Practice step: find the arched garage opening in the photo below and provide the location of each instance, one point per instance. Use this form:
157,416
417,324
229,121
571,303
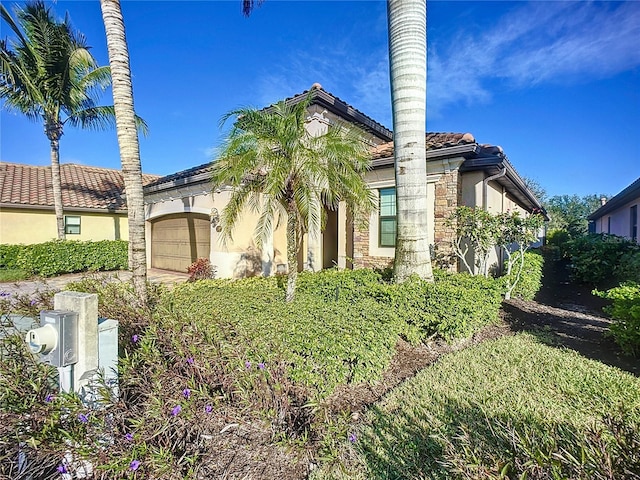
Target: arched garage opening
178,240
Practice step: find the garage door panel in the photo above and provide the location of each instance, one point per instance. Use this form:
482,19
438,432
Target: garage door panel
178,240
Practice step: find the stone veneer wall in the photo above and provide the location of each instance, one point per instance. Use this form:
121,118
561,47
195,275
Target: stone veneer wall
448,198
448,193
361,258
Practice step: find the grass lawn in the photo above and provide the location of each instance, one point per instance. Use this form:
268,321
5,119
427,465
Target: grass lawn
13,275
506,407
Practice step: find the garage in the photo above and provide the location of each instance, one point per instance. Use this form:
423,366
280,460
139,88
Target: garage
178,240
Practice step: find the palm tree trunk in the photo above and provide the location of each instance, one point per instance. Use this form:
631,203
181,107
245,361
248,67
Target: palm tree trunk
292,254
127,140
408,72
56,183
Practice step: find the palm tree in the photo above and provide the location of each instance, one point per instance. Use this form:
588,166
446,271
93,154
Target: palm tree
48,75
281,172
127,141
408,71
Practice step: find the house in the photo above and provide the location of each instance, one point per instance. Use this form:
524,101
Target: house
619,215
182,213
93,200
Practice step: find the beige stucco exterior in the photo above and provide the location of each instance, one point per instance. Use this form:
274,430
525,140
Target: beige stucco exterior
30,226
237,257
618,222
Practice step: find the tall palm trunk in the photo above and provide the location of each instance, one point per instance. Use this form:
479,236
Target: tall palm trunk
408,72
56,184
127,140
292,253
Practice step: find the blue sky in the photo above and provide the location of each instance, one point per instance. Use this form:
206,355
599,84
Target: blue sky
556,84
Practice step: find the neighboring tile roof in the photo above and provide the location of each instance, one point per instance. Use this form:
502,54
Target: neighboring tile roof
625,196
205,168
434,142
82,186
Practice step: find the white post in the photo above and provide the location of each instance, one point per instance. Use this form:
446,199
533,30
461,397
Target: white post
86,306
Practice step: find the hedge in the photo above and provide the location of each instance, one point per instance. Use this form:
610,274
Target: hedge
65,256
600,258
531,276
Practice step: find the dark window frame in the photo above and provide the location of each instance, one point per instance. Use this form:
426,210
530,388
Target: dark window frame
386,218
633,222
72,229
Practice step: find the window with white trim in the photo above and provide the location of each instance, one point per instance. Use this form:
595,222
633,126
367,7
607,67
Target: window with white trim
72,225
387,218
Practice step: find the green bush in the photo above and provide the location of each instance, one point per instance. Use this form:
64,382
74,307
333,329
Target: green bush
625,310
628,270
531,276
9,256
596,258
65,256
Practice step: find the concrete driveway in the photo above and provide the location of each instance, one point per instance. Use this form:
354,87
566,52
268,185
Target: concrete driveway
58,283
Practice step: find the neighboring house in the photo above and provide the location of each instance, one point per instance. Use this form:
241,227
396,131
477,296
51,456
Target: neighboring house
182,213
619,215
93,200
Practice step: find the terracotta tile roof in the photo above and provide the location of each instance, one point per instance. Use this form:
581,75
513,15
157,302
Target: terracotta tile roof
82,186
434,142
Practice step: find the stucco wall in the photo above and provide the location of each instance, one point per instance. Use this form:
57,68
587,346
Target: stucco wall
37,226
239,256
620,220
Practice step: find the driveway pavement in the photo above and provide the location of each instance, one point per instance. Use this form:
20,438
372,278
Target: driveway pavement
58,283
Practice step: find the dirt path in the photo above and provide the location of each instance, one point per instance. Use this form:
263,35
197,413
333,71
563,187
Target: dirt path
571,315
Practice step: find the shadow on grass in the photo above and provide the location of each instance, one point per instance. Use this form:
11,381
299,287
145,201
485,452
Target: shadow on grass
584,333
471,444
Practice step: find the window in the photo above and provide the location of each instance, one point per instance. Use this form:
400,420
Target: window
633,224
609,225
387,230
72,225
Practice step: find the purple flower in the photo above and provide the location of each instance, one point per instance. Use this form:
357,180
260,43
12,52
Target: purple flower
62,469
135,338
190,360
83,418
176,410
129,436
208,408
4,294
187,393
247,364
48,398
261,366
352,437
134,465
33,302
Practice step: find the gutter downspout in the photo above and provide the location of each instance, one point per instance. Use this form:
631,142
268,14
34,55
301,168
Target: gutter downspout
485,206
485,184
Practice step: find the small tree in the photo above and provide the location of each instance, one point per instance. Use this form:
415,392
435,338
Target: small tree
280,171
476,231
515,234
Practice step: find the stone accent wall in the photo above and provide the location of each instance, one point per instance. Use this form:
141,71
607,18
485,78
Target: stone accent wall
448,195
361,257
448,198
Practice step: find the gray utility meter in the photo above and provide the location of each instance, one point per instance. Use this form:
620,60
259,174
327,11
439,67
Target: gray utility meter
56,339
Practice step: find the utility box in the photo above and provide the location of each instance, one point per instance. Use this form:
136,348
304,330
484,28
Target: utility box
57,338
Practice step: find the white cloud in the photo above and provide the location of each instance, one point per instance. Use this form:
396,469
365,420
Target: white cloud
541,42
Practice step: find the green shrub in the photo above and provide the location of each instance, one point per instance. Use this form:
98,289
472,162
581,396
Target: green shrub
595,258
531,276
625,310
628,270
9,256
65,256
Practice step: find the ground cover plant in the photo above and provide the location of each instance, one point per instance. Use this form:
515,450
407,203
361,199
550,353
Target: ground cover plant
510,408
218,370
